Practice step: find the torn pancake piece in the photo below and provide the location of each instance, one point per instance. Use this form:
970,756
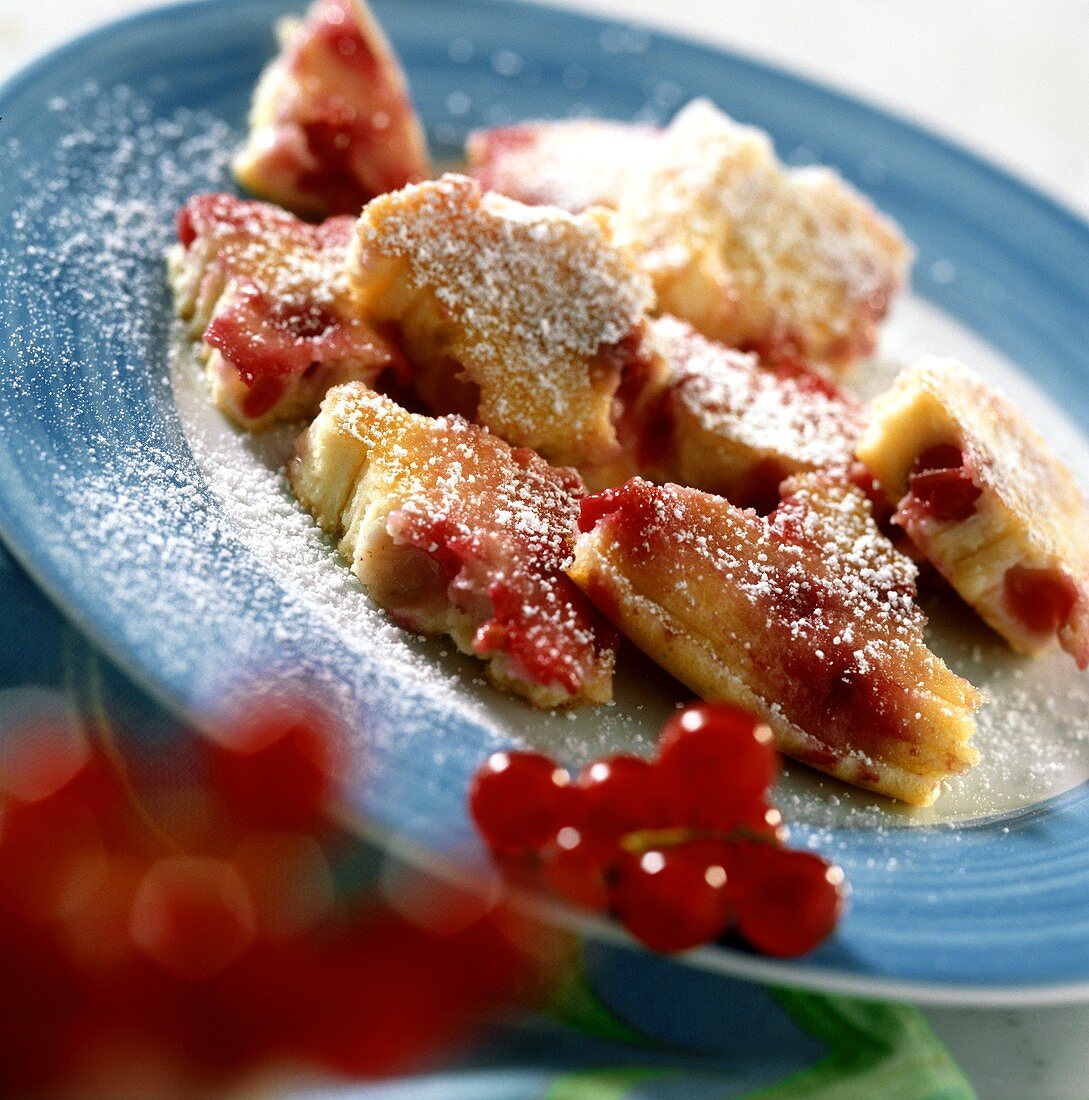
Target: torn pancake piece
521,318
331,124
807,618
265,298
980,494
786,262
454,532
725,424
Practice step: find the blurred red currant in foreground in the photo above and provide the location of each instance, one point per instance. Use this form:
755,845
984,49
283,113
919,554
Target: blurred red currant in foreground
159,938
578,868
193,915
277,769
671,898
40,753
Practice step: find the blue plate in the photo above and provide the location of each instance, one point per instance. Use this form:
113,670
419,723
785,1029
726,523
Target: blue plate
101,496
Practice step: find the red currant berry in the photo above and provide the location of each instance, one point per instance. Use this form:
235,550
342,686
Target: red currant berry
276,770
788,902
289,880
671,899
720,761
40,754
712,853
193,915
520,801
577,868
739,857
52,857
43,1027
766,823
621,794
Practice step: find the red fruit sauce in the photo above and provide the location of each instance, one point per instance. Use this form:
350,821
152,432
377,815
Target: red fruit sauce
267,333
266,338
524,607
1043,599
335,145
942,483
340,34
630,508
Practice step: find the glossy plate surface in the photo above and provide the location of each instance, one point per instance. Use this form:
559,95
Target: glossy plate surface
170,539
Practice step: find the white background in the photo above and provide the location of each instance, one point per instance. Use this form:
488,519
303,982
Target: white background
1010,78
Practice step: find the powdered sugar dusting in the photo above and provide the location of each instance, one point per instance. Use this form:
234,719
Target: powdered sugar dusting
754,254
731,396
532,295
538,278
88,235
247,475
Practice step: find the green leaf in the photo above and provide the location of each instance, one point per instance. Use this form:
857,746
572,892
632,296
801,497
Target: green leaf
878,1050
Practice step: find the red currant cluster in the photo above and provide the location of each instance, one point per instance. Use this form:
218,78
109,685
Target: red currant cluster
681,849
171,927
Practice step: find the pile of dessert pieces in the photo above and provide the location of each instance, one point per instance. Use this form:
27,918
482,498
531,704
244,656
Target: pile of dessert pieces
593,385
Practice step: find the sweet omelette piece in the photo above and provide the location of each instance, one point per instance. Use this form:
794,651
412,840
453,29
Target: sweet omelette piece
521,318
727,425
573,164
787,262
266,298
980,494
331,124
806,618
454,532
